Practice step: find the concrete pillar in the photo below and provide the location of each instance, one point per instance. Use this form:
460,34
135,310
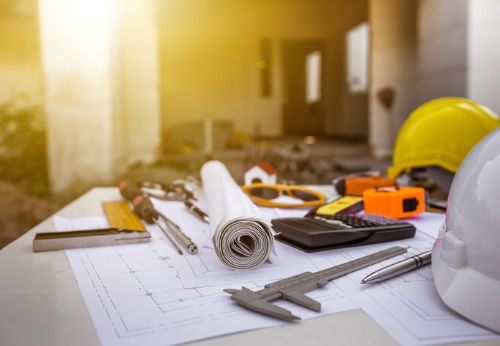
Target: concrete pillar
138,80
393,71
428,49
100,88
459,50
483,32
442,49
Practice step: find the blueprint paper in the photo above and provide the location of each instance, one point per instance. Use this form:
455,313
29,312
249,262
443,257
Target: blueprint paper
136,294
148,294
205,267
242,238
408,306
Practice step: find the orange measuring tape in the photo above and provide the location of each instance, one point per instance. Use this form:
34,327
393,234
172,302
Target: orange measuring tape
395,202
355,186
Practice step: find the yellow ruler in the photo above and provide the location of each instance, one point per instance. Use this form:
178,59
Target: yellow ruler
121,215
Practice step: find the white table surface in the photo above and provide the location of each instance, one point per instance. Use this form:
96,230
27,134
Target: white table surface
41,304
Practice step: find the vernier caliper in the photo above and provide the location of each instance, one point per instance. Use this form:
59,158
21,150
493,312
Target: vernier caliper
293,288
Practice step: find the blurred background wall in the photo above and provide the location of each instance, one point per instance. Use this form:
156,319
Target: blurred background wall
89,89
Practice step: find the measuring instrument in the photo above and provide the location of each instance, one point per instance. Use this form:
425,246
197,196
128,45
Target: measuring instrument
396,202
121,215
96,237
293,288
355,184
318,233
341,205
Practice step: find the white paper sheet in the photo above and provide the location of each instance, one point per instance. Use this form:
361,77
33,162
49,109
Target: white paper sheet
148,294
140,293
204,268
408,306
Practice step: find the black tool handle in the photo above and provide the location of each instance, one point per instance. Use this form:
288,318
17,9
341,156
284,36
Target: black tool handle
144,208
129,189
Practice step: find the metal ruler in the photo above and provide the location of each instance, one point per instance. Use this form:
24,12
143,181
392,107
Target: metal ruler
85,238
121,215
293,288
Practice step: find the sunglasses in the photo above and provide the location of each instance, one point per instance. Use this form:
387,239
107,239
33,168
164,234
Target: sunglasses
265,194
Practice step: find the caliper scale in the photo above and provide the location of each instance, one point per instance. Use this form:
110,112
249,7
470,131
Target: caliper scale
293,288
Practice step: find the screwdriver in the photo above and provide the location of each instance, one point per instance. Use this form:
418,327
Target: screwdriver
145,210
183,238
131,191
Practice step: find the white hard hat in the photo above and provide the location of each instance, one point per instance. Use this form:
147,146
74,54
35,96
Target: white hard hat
466,255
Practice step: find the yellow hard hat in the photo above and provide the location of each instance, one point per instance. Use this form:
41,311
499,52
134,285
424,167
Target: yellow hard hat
441,133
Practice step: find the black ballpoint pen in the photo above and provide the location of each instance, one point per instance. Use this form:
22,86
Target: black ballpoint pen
398,268
197,211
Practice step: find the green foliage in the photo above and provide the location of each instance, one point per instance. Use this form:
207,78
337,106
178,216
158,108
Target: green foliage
23,156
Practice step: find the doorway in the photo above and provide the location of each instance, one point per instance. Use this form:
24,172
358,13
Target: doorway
303,73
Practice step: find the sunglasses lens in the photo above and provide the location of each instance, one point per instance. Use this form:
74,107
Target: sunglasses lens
263,192
305,195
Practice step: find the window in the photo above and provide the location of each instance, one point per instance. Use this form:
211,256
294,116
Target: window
358,51
313,77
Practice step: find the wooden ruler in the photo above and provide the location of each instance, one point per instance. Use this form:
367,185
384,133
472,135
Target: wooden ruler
121,215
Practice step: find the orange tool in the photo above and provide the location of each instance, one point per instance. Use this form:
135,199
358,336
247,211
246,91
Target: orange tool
355,186
395,202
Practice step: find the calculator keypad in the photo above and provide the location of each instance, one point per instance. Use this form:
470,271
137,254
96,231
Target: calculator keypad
356,221
320,232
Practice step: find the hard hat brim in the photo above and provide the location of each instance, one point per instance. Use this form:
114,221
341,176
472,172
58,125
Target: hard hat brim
469,292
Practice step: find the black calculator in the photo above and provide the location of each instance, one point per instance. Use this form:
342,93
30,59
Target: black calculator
321,232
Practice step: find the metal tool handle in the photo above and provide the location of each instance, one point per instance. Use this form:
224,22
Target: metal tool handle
181,236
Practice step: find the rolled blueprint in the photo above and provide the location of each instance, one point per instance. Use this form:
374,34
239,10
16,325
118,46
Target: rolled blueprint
242,238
